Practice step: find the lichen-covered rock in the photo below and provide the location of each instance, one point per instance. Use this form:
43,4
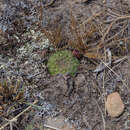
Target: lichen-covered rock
62,62
114,105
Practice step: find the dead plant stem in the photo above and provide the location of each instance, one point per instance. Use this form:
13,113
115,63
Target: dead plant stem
110,26
103,119
15,118
117,75
90,18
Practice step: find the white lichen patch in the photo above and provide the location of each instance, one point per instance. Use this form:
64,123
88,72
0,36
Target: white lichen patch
40,39
38,42
27,56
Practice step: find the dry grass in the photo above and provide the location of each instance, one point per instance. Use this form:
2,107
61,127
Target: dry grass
10,122
55,37
83,35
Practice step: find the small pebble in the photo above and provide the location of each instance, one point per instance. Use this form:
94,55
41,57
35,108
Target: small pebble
114,105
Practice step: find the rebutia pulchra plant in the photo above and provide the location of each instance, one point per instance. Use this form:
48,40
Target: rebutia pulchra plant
62,62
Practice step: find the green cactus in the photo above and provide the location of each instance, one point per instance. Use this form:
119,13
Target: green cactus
62,62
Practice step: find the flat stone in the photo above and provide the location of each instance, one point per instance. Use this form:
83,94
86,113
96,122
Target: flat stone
59,123
114,105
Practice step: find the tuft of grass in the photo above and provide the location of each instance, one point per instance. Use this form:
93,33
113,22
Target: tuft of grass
10,93
79,38
62,62
83,38
77,41
56,37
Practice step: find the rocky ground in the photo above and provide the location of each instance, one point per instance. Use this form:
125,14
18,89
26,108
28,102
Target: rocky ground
62,102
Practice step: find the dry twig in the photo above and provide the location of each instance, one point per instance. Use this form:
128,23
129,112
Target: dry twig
117,75
15,118
103,119
110,26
